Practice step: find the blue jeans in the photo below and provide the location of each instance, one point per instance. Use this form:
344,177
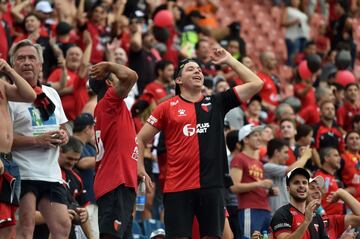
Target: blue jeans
294,47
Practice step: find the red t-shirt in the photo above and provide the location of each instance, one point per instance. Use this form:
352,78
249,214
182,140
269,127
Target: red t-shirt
154,91
292,158
331,185
350,172
116,161
253,171
307,99
269,92
335,225
73,103
310,114
345,114
98,49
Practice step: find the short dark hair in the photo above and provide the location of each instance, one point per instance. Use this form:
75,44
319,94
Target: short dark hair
178,71
289,120
232,139
324,152
356,119
302,130
351,132
275,144
197,45
161,65
73,145
351,84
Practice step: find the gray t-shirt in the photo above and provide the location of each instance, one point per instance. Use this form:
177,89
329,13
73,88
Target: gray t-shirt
277,173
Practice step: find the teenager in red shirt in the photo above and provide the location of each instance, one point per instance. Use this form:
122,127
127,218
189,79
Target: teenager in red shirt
116,162
196,166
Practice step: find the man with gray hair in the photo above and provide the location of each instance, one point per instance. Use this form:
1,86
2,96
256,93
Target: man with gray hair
38,131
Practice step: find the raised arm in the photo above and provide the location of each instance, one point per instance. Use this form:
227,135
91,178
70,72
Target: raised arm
253,83
21,91
85,61
124,79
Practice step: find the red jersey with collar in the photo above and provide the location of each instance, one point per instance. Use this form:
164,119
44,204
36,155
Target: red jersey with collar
116,161
269,92
328,136
331,185
194,139
288,219
345,114
74,102
350,172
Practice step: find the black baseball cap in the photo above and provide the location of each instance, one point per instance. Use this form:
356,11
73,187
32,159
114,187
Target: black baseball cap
82,121
297,171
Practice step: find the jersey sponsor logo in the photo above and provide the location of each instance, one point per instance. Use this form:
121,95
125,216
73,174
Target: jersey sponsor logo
99,145
281,225
152,120
173,103
182,112
206,107
316,227
190,130
207,98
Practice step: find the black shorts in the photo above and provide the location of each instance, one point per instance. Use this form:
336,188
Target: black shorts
206,204
115,212
54,191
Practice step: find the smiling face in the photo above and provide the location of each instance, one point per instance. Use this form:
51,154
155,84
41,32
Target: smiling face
27,64
191,77
73,58
315,192
298,188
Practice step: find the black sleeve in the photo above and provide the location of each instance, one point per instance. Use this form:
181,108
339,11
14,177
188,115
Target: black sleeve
281,221
322,231
227,100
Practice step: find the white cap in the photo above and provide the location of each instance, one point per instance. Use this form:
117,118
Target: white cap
158,232
249,129
43,6
319,180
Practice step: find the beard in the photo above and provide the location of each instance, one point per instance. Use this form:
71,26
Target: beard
297,198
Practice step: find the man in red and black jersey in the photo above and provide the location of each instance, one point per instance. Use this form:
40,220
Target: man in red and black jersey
196,154
116,161
296,219
327,133
76,196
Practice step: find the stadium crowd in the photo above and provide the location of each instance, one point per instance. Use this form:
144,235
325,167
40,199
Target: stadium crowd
242,123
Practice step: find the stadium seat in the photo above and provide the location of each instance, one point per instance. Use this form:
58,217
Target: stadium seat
151,225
